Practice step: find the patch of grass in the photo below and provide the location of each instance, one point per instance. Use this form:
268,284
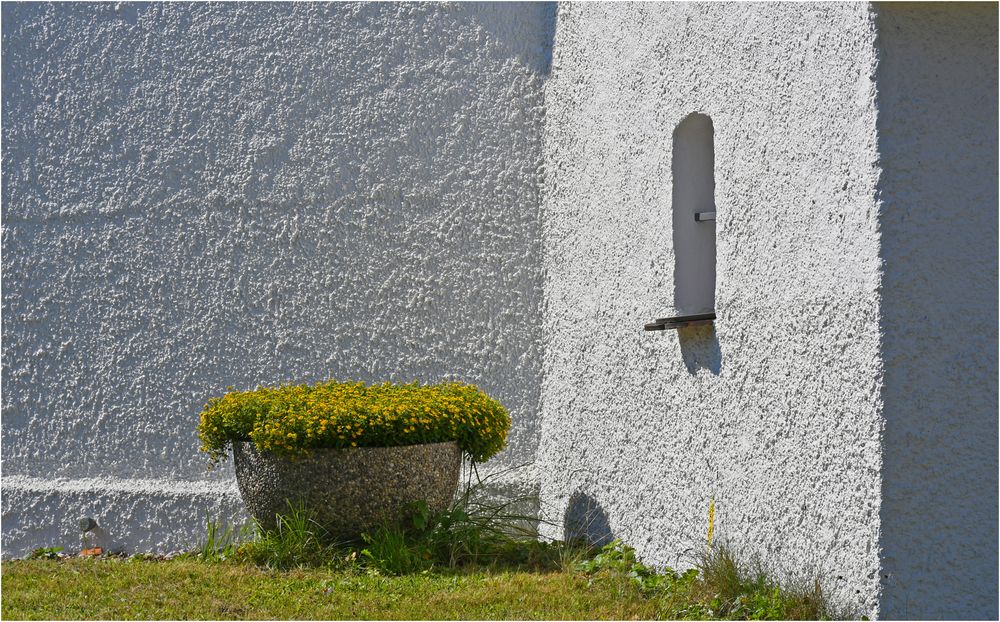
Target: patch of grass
611,585
738,589
475,560
48,552
220,542
390,551
298,541
476,532
111,588
719,587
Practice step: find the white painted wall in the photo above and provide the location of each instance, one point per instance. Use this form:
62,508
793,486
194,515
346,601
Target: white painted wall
197,196
776,412
937,100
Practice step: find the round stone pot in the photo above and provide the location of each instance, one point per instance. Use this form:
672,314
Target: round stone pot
351,491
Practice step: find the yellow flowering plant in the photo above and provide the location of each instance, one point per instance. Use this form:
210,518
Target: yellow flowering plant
293,419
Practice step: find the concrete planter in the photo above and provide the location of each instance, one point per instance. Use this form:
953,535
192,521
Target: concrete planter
350,490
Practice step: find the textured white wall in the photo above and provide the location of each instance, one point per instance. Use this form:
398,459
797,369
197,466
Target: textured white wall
776,412
937,100
198,196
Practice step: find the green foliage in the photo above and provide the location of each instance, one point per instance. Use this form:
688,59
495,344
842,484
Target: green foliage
445,547
297,541
220,542
619,558
737,589
49,552
295,418
477,531
719,587
390,551
470,532
473,534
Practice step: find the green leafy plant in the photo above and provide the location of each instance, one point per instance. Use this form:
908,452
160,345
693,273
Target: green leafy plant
49,552
743,589
295,418
718,587
619,558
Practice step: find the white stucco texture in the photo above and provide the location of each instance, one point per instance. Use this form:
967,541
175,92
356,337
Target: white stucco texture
937,100
774,412
199,196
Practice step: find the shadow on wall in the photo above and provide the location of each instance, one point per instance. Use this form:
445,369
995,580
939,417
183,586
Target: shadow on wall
937,85
585,519
507,22
700,348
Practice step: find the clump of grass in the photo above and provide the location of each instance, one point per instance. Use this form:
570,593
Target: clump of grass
297,541
220,542
48,552
471,532
479,531
719,586
744,589
390,551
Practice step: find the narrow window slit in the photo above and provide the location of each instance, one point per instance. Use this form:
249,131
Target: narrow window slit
694,212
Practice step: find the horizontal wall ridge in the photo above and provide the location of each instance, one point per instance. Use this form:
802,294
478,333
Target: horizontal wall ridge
27,483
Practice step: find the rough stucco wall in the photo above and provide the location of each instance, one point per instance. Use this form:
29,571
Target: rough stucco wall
198,196
937,119
775,413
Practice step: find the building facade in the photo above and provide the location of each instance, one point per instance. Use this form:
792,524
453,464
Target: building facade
197,197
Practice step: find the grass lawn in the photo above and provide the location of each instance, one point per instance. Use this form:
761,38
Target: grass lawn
453,569
610,585
114,588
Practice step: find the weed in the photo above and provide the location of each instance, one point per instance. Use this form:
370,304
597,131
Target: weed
476,531
620,559
744,590
390,551
718,587
465,534
49,552
220,543
297,541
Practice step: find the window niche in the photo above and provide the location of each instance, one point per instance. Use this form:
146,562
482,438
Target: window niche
693,205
